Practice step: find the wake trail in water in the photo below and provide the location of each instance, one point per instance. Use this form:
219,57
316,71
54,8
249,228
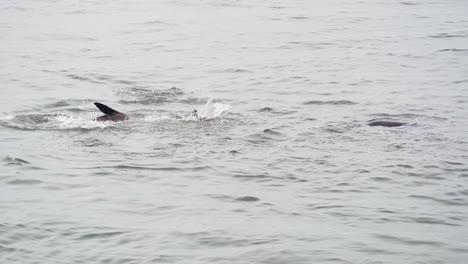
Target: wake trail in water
210,111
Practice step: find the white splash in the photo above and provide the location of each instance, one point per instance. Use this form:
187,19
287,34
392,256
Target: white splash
158,118
71,122
7,117
213,110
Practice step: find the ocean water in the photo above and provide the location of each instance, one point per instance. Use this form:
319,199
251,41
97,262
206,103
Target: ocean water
279,165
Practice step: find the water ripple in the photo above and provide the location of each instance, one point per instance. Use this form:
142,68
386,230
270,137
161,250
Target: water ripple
447,202
339,102
409,242
15,161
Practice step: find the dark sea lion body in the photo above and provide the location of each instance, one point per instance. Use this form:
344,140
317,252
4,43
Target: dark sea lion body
386,123
110,114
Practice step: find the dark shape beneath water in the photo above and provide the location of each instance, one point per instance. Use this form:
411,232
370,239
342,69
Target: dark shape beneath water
385,123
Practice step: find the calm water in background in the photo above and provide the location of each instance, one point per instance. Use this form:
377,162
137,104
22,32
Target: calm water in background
282,168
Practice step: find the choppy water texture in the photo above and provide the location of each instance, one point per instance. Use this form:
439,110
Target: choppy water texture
279,167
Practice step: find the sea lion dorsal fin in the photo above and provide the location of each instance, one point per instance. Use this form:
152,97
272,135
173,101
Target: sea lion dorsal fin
105,109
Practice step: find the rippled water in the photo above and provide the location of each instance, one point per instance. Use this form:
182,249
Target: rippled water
280,165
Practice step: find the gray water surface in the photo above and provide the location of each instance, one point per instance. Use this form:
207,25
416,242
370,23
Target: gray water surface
280,166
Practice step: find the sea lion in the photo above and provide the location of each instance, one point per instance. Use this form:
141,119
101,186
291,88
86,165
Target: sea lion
110,114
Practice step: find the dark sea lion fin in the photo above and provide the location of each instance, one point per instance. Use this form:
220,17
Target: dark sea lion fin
105,109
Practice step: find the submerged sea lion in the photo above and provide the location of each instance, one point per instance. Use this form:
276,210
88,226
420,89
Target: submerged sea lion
386,123
110,114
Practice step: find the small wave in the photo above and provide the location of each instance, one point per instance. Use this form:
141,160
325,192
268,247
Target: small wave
75,38
410,3
82,78
407,116
24,182
193,101
299,18
257,177
52,122
452,163
92,142
153,22
445,202
265,109
275,111
228,198
409,241
340,127
429,221
381,179
220,239
271,132
100,235
448,35
460,81
277,7
267,137
146,91
231,70
148,168
454,50
324,207
66,103
15,161
76,110
147,95
339,102
148,101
